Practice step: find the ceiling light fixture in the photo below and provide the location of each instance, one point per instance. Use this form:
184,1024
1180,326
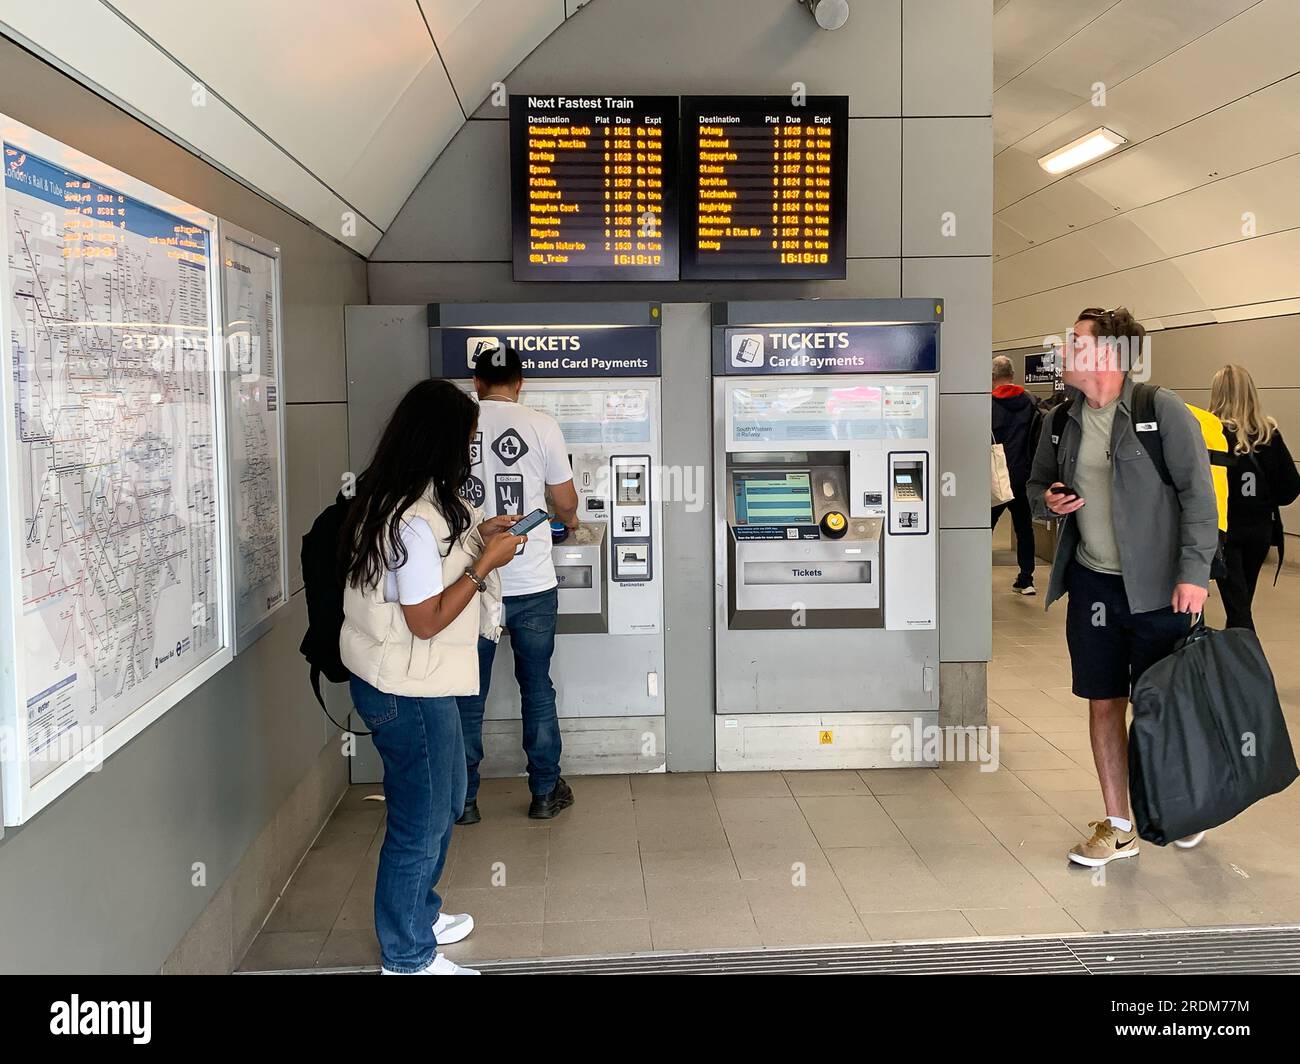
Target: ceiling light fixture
830,14
1088,148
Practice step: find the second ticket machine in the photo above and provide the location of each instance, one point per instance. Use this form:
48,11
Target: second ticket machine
825,433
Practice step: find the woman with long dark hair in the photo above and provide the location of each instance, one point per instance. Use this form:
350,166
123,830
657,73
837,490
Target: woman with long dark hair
1262,480
421,586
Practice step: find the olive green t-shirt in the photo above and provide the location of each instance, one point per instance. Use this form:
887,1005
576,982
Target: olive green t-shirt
1092,480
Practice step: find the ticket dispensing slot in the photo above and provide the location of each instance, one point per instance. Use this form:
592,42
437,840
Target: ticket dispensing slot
580,563
629,517
580,574
793,544
909,513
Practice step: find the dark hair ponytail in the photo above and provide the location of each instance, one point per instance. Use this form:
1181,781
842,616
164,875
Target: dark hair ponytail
424,447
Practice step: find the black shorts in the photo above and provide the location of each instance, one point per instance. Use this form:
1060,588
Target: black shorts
1110,648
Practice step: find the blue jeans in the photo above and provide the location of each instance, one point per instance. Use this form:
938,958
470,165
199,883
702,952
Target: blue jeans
424,787
530,620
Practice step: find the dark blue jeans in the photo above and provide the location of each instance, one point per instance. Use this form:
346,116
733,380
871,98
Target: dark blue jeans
530,620
424,787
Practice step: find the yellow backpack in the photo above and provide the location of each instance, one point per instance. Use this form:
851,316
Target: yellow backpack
1216,442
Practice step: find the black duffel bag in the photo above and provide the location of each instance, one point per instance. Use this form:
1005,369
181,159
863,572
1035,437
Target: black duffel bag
1208,738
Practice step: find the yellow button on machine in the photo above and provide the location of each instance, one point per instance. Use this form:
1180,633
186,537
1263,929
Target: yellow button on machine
834,524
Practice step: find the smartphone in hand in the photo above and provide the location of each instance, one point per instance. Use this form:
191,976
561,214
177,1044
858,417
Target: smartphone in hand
528,522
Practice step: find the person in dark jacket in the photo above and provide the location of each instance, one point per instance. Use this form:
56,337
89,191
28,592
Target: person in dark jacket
1014,415
1262,480
1133,552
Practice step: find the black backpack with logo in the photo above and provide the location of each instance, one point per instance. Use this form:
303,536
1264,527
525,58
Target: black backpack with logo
323,581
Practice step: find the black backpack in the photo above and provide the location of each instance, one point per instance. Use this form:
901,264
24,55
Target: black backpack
323,581
1145,426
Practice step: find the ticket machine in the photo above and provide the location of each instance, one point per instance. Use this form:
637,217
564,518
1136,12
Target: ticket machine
595,369
825,431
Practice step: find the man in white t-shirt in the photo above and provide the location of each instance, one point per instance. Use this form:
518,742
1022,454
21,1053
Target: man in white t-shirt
517,456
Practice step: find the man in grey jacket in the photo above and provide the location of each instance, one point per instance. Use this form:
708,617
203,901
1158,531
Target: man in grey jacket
1133,553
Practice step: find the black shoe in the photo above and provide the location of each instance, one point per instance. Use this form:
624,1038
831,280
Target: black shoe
469,815
545,806
1024,586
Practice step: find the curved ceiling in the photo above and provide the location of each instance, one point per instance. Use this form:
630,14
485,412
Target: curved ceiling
332,109
336,110
1197,219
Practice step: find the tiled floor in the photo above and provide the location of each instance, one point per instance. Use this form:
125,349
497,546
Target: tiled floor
771,859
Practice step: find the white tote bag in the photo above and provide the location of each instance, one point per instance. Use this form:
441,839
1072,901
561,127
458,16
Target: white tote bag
1000,482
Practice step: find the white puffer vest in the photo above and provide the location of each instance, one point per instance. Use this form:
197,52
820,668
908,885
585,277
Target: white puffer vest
378,647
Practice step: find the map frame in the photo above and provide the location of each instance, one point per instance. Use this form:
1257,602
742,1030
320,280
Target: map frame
23,799
246,635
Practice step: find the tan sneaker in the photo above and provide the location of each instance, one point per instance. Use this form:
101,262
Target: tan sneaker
1107,844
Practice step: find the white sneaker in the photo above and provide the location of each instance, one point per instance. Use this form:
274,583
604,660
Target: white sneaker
439,966
449,927
1190,841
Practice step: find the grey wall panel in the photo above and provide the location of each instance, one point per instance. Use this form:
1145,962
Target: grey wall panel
963,284
1282,404
387,352
1189,357
316,437
723,46
100,880
947,169
301,483
964,453
947,57
315,293
965,595
875,187
461,209
437,282
688,539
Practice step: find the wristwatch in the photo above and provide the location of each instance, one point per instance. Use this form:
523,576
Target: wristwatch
477,580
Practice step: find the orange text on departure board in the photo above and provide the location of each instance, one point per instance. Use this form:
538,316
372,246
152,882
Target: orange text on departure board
766,187
596,191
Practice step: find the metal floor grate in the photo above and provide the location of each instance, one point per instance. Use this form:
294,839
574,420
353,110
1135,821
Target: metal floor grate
1273,950
1188,952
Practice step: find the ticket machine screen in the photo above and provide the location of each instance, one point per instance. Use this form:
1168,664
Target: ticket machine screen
773,499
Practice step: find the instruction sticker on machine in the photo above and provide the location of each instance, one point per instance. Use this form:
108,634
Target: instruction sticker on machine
596,415
772,413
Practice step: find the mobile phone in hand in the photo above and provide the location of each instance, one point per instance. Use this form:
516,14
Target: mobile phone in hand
528,522
1064,489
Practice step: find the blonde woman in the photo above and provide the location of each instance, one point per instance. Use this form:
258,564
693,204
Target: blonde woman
1263,480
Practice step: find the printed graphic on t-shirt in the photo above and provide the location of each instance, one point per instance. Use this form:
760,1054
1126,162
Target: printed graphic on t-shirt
476,449
523,451
509,447
473,491
509,496
510,493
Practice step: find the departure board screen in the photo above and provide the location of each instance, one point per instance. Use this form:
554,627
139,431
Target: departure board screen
594,187
764,187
